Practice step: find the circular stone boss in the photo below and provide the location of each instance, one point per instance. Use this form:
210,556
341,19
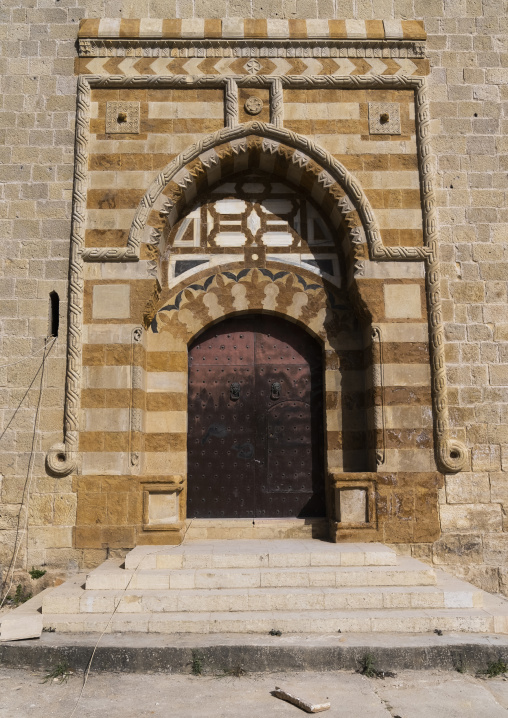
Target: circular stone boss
253,105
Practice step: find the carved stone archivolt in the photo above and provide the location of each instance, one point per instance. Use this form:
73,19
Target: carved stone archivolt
451,454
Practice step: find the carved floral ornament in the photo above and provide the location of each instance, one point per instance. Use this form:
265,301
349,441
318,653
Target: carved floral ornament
451,454
259,296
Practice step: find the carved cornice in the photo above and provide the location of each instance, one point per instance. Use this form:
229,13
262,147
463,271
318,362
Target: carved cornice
239,28
251,60
248,48
268,47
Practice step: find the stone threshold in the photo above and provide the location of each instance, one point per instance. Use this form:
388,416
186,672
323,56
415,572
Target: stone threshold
150,653
269,528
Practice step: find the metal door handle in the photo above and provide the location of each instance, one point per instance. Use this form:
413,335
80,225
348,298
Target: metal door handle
275,390
234,391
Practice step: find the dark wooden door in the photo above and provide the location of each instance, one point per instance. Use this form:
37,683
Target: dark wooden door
255,440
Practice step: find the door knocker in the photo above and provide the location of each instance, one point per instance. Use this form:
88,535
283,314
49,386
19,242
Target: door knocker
234,391
275,390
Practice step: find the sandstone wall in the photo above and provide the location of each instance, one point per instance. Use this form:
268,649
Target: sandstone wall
467,47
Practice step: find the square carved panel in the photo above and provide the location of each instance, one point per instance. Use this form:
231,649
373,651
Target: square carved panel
384,118
122,118
355,503
161,507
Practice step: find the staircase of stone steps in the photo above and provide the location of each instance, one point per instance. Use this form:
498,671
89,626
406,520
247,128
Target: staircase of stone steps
255,586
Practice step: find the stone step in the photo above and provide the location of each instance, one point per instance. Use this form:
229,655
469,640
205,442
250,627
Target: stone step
471,620
449,593
409,572
289,553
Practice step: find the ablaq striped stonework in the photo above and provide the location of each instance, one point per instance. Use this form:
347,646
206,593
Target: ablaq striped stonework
240,28
234,167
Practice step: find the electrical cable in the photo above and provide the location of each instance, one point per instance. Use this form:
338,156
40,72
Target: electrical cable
25,499
26,493
28,389
30,356
89,665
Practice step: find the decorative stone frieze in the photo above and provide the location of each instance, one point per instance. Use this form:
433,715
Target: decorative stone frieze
122,118
236,46
384,118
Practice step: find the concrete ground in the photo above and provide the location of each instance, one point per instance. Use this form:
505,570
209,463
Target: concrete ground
411,694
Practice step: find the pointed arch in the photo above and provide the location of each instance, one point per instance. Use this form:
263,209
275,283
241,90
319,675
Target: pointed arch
217,152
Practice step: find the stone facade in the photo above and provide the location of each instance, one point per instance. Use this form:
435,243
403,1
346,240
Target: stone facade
388,141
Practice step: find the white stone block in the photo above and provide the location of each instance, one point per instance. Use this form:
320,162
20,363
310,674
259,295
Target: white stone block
106,377
160,422
166,381
403,301
406,374
150,27
108,333
166,561
150,580
182,579
104,462
458,599
394,270
163,507
353,505
111,301
405,332
17,626
106,419
277,28
185,110
355,28
109,27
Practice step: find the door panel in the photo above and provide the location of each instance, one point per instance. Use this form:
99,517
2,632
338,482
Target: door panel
221,443
255,421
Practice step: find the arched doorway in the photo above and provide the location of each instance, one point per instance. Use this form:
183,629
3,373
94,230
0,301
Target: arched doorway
255,437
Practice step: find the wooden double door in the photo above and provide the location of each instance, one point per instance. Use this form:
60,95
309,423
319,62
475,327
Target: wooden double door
255,440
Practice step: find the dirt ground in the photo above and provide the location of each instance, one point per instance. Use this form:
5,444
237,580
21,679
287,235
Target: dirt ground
411,694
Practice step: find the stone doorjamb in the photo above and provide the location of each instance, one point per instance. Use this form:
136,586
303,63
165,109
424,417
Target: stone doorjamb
295,295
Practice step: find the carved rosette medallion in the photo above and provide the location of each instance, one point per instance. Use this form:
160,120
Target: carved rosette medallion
253,105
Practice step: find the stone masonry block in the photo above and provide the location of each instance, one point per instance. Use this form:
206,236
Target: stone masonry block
471,517
111,301
486,458
458,549
499,486
467,488
495,549
499,375
402,301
